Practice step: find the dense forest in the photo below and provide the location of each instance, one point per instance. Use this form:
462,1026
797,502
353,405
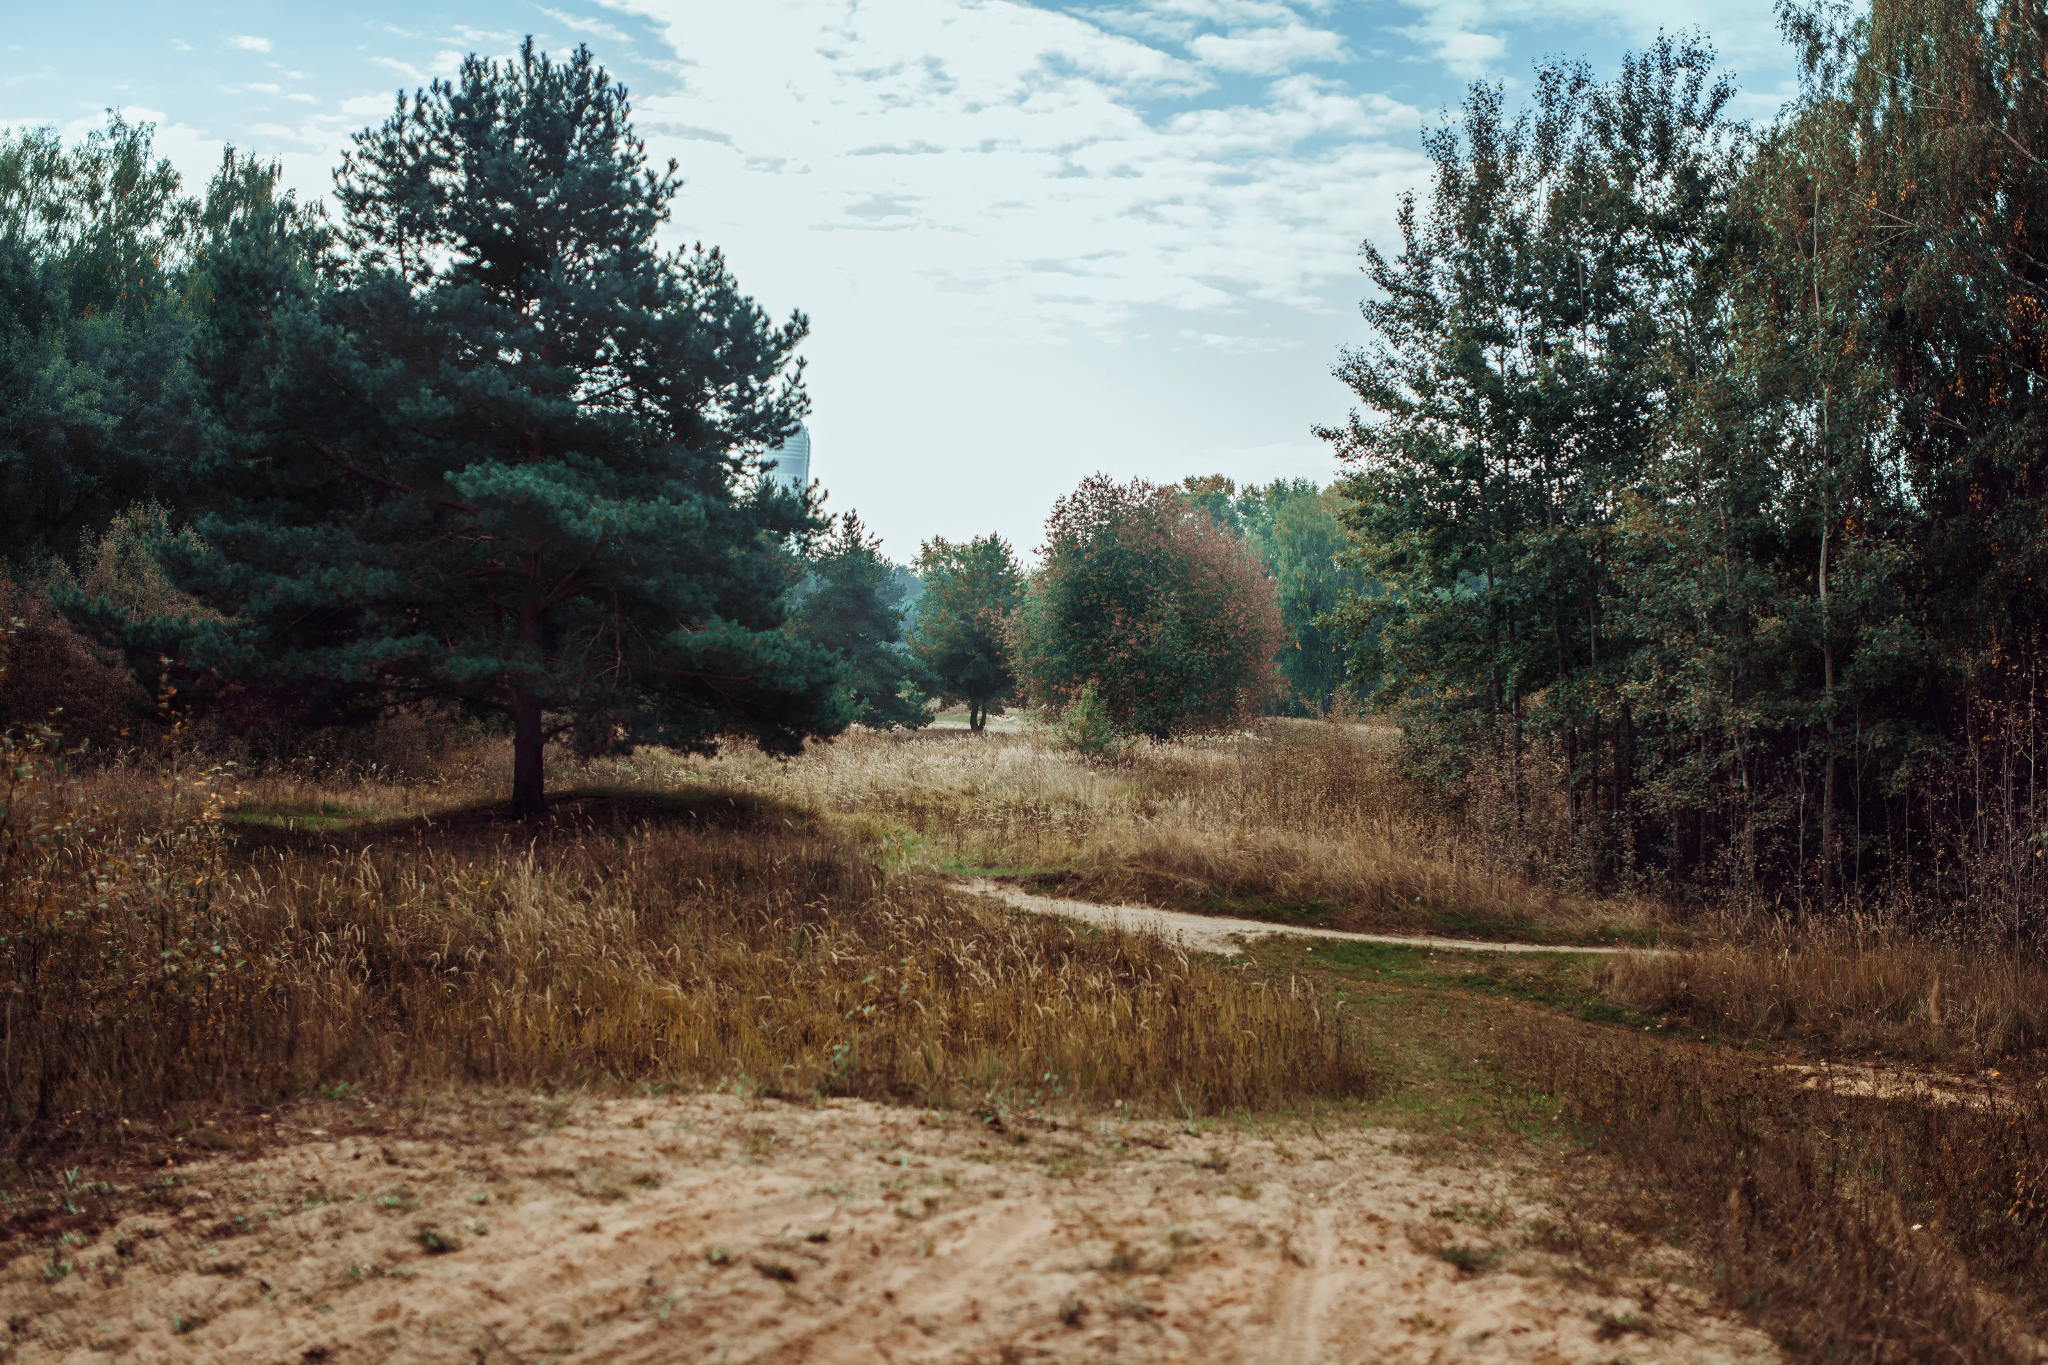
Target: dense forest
1702,468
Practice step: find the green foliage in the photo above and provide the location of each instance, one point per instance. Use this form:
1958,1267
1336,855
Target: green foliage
1544,312
962,624
93,241
1706,474
1085,726
1171,617
850,605
490,444
1298,530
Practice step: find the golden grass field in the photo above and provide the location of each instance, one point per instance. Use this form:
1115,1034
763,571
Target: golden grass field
196,952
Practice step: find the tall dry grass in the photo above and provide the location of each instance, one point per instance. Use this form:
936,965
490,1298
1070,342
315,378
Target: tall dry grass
152,957
1855,1228
1302,819
1858,987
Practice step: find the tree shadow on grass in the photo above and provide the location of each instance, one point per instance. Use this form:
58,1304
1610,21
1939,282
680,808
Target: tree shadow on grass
573,815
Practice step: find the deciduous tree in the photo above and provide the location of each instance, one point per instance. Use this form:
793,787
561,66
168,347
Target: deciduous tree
971,588
1172,618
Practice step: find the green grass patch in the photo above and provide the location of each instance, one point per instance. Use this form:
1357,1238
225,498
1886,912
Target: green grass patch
1561,981
314,819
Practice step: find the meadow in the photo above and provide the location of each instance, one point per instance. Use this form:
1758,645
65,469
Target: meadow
193,941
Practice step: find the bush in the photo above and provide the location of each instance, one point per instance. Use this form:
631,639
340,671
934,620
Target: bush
1086,728
50,674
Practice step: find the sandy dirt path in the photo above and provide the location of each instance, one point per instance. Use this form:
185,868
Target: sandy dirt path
715,1229
1216,934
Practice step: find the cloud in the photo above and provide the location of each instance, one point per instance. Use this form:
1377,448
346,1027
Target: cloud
411,73
1466,55
1032,175
1266,51
596,28
249,42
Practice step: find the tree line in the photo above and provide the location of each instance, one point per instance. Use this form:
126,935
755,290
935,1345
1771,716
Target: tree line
1701,468
474,440
1690,515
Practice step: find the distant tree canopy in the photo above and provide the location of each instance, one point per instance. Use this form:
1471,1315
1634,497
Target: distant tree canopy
1705,472
1297,530
1168,617
488,443
963,619
95,243
850,605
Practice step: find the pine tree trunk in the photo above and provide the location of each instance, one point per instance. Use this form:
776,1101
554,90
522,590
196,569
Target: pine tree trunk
529,796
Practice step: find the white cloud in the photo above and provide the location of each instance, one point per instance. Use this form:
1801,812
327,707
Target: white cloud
250,42
1266,51
1469,36
1466,55
1035,242
596,28
411,73
982,150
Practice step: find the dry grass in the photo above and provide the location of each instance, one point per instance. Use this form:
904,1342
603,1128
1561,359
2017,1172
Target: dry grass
784,925
1851,989
715,937
1855,1228
1304,820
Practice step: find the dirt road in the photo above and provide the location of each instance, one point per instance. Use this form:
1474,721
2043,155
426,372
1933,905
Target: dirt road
709,1228
1216,934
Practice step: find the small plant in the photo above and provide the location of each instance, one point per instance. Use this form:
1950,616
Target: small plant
1612,1327
775,1270
434,1242
1469,1260
1084,726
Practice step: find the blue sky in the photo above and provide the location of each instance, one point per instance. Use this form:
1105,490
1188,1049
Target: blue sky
1034,240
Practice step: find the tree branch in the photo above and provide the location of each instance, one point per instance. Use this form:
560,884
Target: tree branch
391,485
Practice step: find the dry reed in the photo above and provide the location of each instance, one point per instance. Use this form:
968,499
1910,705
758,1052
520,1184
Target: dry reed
1852,988
718,938
1301,819
1856,1228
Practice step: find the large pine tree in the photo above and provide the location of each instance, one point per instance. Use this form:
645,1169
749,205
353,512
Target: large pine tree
492,444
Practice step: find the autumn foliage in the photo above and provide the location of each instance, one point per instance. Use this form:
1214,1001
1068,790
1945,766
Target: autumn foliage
1171,619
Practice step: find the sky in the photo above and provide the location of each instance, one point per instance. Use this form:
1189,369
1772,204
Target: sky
1034,240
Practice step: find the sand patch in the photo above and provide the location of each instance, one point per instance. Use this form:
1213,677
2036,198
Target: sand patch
710,1228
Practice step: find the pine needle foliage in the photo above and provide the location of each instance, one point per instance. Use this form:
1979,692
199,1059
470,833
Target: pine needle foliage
488,442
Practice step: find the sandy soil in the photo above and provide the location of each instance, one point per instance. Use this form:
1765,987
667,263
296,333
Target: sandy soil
1218,934
710,1228
1983,1090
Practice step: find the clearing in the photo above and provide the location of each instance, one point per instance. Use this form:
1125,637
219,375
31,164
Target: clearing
721,1228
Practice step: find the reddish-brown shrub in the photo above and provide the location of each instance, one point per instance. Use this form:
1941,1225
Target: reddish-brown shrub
1173,622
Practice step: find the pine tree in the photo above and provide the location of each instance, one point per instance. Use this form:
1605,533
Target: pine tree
495,446
962,630
850,605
